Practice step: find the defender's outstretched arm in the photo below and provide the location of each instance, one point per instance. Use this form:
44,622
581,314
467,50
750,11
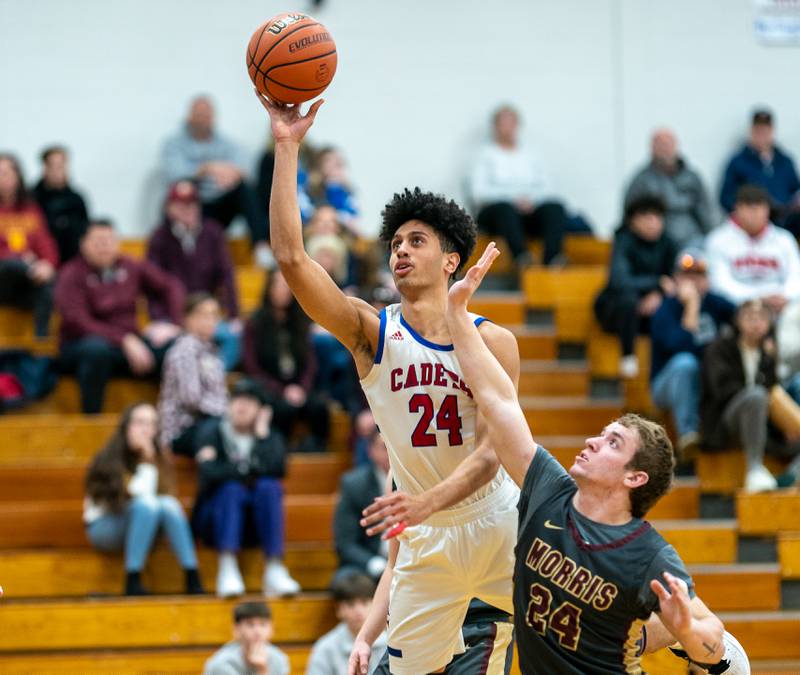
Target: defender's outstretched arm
491,386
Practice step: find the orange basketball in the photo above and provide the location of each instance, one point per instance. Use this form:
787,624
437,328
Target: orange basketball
291,58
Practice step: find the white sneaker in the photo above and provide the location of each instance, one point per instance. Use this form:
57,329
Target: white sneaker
759,479
277,581
629,366
229,578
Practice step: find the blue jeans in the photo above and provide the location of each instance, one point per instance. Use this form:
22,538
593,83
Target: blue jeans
230,517
677,388
230,345
136,528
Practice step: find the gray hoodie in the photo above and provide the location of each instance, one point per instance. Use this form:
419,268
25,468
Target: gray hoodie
228,660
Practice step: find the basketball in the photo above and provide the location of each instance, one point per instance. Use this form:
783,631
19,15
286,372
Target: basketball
291,58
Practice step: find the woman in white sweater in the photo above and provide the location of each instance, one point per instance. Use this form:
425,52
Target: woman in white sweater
128,500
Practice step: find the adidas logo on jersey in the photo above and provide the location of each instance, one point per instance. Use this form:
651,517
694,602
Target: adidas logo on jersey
397,336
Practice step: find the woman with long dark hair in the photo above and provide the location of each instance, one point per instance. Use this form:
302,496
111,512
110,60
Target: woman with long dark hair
278,353
129,498
28,253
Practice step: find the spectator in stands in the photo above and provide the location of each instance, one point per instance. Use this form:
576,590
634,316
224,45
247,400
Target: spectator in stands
64,208
97,294
512,193
325,223
193,249
761,162
198,151
28,254
278,354
241,462
193,387
129,497
329,184
352,595
688,216
642,256
682,327
250,651
358,552
738,372
750,258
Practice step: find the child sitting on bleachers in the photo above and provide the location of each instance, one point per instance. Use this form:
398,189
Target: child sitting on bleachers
250,651
128,498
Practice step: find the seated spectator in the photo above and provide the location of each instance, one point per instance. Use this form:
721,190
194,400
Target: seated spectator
97,294
241,462
358,488
198,151
250,650
513,195
193,387
761,162
352,595
749,259
642,255
330,252
129,498
738,374
329,184
278,354
193,249
688,216
28,254
682,327
324,223
63,207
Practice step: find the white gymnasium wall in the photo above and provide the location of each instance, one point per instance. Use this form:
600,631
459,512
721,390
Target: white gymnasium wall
416,82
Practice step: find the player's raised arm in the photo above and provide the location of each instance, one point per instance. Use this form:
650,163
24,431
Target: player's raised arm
316,292
493,389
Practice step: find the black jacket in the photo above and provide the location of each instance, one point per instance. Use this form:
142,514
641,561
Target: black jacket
267,459
357,489
66,216
722,378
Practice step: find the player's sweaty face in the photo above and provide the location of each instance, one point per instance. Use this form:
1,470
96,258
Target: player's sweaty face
605,456
416,255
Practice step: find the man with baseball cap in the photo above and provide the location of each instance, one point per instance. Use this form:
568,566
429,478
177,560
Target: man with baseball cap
762,162
193,249
681,328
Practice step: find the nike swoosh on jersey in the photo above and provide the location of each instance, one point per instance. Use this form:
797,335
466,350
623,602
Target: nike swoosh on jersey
550,525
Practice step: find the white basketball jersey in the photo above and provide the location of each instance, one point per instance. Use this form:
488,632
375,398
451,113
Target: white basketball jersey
422,406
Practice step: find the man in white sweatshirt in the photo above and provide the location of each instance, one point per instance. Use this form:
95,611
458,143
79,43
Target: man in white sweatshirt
751,258
512,193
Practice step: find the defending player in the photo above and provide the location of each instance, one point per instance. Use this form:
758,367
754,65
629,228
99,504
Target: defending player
587,566
426,413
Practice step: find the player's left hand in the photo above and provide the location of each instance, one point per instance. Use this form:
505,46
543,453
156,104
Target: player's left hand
389,510
675,609
461,292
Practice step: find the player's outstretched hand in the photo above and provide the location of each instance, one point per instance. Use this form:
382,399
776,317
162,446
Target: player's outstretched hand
359,658
675,610
287,122
388,512
461,292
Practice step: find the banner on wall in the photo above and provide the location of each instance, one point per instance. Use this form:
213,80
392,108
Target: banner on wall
777,22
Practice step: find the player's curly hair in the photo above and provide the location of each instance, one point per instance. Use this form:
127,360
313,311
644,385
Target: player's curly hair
655,457
454,226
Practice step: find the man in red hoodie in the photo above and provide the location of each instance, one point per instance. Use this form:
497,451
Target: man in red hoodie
97,295
28,254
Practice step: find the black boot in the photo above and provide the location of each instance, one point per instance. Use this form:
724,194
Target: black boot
193,584
133,584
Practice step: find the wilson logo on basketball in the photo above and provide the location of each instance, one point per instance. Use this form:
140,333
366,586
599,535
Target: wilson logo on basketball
308,41
285,22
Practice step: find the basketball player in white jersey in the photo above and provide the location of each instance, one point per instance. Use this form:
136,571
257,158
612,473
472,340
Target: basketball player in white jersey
437,447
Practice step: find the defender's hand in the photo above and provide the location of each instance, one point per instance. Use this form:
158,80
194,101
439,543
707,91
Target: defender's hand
461,292
287,122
